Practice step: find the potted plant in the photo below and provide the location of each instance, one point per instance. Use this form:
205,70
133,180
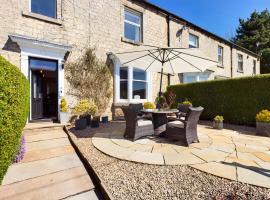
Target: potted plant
218,122
263,123
184,106
104,119
83,110
95,122
149,105
64,115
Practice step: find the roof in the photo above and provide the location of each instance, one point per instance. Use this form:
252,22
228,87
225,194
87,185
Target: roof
197,27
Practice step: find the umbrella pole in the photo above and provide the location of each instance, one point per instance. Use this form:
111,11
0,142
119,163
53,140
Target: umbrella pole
160,86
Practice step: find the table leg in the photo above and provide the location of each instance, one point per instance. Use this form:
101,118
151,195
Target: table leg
159,122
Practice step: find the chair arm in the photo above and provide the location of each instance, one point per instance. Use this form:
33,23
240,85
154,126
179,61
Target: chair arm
181,114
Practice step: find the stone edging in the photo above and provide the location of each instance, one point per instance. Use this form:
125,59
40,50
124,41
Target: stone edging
94,176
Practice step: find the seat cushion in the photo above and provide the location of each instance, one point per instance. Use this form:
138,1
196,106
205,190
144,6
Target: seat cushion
142,122
176,124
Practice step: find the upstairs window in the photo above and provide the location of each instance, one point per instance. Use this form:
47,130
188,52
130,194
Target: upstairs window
220,56
240,63
44,7
193,41
254,66
132,25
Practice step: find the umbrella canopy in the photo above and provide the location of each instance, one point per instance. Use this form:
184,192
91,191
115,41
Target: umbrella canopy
166,59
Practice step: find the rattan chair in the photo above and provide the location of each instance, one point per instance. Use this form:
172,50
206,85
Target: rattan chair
136,126
185,130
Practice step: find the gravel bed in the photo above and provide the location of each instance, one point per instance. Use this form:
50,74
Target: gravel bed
128,180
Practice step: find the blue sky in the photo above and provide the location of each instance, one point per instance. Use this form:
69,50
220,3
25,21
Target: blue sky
218,16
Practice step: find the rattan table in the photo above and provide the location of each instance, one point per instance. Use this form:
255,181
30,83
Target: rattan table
160,119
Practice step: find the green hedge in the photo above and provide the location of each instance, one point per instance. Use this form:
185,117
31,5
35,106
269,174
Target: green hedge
238,100
14,107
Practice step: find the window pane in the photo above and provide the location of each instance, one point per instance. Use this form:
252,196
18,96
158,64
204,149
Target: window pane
123,73
132,17
191,79
139,74
38,64
44,7
193,41
132,32
123,89
139,90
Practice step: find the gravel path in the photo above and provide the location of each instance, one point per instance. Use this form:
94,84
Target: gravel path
127,180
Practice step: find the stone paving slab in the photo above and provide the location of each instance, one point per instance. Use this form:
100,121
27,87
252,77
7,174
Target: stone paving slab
56,185
33,169
91,195
50,170
220,152
47,144
47,153
218,169
45,136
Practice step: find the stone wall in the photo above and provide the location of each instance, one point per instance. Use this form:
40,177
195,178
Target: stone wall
99,23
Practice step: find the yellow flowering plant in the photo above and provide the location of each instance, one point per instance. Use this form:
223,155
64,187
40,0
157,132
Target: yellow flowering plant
263,116
149,105
85,107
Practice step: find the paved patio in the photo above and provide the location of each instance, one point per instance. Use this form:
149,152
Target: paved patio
50,169
232,154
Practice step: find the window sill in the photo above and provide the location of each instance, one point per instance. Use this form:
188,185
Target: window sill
221,66
42,18
123,39
239,71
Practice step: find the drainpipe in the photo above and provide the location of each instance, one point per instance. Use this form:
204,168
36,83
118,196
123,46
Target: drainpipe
231,61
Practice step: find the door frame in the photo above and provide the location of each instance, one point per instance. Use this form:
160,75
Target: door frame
30,82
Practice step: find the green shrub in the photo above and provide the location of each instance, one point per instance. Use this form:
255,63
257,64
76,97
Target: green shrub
238,100
186,102
14,107
149,105
219,118
85,107
263,116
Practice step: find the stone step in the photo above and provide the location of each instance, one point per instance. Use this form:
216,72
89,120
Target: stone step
47,153
42,130
45,136
53,186
90,195
47,144
24,171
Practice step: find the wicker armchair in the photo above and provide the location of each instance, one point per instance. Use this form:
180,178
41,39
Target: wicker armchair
138,107
185,130
136,126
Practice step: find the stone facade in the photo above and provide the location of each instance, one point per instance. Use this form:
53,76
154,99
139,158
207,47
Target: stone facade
99,23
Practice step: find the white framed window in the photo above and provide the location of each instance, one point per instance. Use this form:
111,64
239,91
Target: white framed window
195,77
240,62
254,66
132,85
220,55
193,41
44,7
132,25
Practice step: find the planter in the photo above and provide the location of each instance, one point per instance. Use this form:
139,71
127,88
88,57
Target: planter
95,124
105,119
64,117
88,119
183,108
217,125
80,124
263,129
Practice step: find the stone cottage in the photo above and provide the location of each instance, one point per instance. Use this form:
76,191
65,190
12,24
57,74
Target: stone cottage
40,36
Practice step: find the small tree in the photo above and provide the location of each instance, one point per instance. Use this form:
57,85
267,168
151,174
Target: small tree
90,78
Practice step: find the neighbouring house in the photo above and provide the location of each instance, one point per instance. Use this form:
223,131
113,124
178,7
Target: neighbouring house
40,36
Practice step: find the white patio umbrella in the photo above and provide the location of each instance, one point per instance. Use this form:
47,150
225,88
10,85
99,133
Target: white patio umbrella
166,59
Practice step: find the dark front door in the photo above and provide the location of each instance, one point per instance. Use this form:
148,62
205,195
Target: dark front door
44,86
37,95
